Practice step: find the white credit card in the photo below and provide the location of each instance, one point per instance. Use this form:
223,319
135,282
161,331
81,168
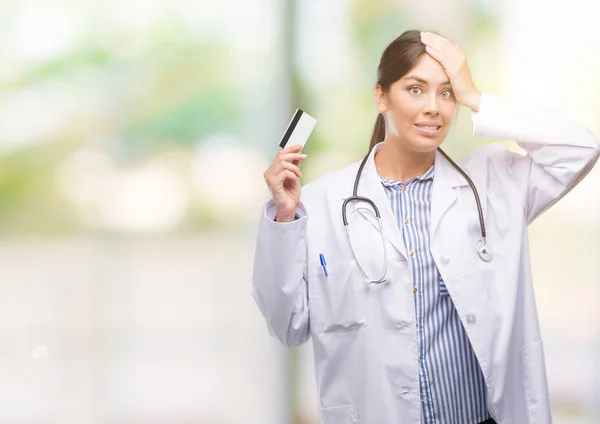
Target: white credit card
298,130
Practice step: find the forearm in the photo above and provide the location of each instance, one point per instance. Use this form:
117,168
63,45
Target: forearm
279,287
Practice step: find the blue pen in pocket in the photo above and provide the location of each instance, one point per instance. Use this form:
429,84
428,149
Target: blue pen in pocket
323,264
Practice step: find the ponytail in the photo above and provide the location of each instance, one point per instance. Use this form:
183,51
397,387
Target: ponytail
378,131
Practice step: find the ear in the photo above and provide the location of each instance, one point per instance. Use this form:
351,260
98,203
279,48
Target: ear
381,100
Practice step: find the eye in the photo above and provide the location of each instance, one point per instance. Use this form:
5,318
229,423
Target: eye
415,90
447,94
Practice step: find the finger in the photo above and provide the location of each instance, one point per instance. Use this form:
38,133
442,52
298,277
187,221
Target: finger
448,59
433,52
443,60
291,167
441,44
283,165
275,179
429,39
289,157
294,148
285,175
452,62
434,38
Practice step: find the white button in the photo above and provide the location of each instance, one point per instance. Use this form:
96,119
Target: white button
471,319
445,259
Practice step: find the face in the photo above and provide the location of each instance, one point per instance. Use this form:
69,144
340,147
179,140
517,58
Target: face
419,107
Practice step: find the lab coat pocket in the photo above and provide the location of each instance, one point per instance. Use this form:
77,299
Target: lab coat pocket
536,386
338,300
339,415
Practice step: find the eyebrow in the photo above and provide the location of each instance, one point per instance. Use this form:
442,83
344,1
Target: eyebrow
422,81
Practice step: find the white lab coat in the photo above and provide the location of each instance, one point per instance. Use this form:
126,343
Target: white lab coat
364,336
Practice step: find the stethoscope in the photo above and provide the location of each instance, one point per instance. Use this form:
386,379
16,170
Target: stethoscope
483,249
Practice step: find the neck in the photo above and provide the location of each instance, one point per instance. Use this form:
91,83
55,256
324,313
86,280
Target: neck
394,163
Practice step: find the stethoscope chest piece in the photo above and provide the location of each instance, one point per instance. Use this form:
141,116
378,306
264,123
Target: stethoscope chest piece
484,250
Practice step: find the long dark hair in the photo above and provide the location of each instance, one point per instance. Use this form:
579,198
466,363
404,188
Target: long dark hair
397,59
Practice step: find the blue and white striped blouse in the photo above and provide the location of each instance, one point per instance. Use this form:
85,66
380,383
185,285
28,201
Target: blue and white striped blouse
451,382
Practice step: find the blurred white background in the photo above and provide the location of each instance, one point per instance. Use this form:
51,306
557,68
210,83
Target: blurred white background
133,140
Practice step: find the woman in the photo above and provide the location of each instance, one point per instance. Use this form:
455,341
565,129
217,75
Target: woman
448,331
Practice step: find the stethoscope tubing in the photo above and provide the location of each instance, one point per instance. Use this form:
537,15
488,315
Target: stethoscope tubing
481,246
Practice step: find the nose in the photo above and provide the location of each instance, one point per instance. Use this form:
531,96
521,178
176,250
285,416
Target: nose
431,108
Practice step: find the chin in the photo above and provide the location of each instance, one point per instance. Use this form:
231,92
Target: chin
427,145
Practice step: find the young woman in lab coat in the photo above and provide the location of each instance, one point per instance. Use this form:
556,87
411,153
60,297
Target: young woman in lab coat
451,335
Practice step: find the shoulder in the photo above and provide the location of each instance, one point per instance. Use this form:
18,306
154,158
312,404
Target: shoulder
493,155
498,167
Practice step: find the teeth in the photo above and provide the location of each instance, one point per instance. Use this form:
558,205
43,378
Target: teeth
428,127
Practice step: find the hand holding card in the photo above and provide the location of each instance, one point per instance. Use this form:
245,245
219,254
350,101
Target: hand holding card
283,176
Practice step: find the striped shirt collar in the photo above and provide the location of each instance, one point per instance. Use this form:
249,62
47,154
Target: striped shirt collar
427,176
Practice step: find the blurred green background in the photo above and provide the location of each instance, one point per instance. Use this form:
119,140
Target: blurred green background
133,140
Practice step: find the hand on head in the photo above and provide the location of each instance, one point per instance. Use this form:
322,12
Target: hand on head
452,58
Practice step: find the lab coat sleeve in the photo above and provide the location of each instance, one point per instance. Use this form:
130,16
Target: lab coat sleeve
559,151
279,287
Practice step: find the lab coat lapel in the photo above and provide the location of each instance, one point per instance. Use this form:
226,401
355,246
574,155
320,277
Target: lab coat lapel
447,183
443,192
370,186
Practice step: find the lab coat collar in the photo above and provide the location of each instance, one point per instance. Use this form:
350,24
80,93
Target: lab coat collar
446,174
445,188
428,175
425,177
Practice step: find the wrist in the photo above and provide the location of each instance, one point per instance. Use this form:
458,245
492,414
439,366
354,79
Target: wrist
286,218
473,100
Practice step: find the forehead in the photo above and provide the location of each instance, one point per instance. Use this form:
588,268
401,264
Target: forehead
428,69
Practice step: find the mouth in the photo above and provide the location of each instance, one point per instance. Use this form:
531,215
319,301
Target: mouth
428,130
